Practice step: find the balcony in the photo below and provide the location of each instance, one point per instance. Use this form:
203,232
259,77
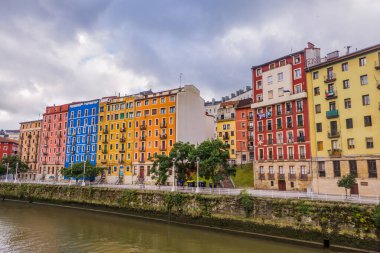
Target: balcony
299,109
163,125
291,157
290,141
143,138
226,137
262,176
331,94
278,113
301,139
271,176
300,124
123,129
105,131
122,139
280,157
58,144
103,161
335,152
303,177
292,176
104,151
45,153
142,149
121,161
122,151
270,157
332,114
44,163
163,136
250,147
288,112
377,65
260,129
281,176
142,160
250,117
57,154
289,125
162,148
250,128
57,163
302,156
227,146
105,141
250,138
333,134
331,77
143,127
270,141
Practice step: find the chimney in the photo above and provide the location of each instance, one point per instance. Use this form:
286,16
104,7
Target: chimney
248,88
310,45
348,49
233,95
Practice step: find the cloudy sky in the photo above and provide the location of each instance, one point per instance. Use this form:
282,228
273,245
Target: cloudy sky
54,52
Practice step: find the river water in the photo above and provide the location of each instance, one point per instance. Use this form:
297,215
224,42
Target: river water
39,228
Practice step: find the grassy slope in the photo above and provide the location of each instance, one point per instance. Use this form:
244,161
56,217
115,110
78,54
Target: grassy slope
244,176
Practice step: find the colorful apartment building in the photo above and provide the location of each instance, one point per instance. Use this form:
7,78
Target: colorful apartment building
226,127
344,98
53,142
82,132
244,131
29,146
162,119
282,139
116,138
8,147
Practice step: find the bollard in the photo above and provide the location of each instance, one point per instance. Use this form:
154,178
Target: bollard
326,243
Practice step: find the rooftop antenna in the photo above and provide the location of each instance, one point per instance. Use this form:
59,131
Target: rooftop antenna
348,49
180,79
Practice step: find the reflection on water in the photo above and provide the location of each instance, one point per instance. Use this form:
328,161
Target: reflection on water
35,228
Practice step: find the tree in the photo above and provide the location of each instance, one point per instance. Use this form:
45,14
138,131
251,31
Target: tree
184,163
76,171
160,168
214,158
12,160
348,181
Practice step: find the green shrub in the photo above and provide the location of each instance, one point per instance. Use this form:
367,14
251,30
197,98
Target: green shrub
247,202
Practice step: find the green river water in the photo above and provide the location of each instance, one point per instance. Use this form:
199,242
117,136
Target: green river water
39,228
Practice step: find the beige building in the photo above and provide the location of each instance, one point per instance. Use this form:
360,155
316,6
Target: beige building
29,143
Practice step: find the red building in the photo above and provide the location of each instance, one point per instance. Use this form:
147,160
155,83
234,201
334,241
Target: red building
244,131
8,147
53,141
282,139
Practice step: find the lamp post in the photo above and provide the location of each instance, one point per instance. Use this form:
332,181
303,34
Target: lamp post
6,178
197,190
174,188
16,173
84,171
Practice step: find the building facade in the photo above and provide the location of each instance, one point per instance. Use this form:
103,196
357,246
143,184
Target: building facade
282,138
82,132
226,127
244,132
53,143
116,138
8,147
344,97
29,146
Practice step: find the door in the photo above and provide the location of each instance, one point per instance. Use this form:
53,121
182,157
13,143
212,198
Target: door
141,174
355,189
281,185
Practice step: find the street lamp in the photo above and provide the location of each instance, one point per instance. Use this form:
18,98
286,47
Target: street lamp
6,178
197,190
16,173
174,188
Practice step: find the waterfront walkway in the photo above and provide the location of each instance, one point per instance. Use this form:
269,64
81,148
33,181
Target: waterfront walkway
228,191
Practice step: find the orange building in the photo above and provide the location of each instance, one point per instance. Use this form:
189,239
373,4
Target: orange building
53,142
244,131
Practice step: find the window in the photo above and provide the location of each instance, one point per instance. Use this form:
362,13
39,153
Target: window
297,89
349,123
280,77
321,169
317,91
269,79
259,98
282,63
345,66
320,145
297,73
372,170
365,100
353,168
319,127
362,61
280,92
347,103
367,121
318,108
363,79
297,59
272,66
346,84
350,143
270,94
369,142
259,85
315,75
259,72
336,165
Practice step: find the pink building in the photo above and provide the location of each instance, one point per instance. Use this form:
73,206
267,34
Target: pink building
53,142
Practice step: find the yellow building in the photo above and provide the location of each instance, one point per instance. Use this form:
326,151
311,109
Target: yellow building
344,97
116,138
226,127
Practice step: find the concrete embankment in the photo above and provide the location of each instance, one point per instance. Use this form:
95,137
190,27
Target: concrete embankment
345,226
